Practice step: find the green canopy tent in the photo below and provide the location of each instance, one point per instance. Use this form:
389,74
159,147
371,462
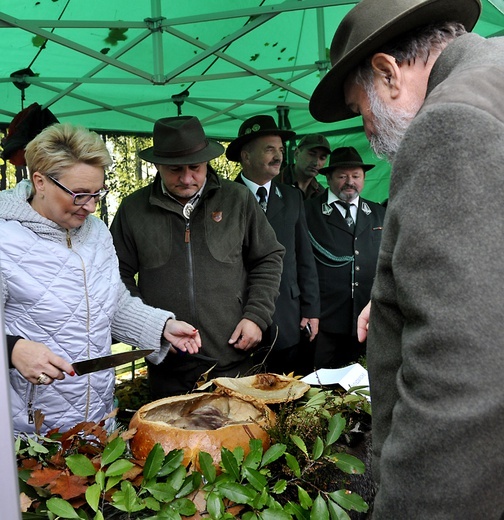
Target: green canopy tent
116,66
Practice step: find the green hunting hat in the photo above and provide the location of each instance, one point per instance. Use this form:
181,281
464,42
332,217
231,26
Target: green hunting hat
312,141
367,27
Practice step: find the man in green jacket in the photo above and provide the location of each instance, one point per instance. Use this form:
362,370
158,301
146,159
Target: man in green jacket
202,247
430,95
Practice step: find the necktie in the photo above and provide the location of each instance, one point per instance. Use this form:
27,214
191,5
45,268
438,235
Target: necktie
261,193
348,214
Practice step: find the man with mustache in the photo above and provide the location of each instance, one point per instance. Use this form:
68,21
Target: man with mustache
430,95
345,233
259,148
309,157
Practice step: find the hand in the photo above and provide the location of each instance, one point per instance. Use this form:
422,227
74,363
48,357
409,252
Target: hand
363,323
247,335
182,336
314,324
34,359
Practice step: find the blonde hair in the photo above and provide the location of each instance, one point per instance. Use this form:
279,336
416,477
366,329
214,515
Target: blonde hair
61,146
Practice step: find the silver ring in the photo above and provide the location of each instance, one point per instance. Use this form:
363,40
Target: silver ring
42,379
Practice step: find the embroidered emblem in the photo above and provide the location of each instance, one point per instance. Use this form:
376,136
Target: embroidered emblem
256,128
278,193
217,216
326,209
365,208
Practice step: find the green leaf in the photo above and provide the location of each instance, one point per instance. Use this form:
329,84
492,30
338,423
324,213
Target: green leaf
296,510
293,464
99,516
349,500
253,459
161,491
112,481
154,461
257,480
261,499
318,448
191,483
299,443
214,505
61,508
126,499
274,514
152,503
177,478
113,450
336,512
207,466
273,453
184,506
229,463
348,463
237,493
250,515
100,479
335,428
319,510
119,467
93,494
239,454
279,487
304,498
80,465
171,462
35,447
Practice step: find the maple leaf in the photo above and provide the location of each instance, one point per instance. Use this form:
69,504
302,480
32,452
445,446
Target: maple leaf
129,434
69,486
44,476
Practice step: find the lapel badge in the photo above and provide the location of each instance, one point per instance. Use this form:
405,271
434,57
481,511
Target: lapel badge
326,209
278,193
366,208
217,216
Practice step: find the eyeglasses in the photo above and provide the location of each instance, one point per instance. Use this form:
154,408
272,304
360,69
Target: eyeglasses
80,199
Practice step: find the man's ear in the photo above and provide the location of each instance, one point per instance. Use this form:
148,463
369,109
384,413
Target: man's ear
388,73
244,155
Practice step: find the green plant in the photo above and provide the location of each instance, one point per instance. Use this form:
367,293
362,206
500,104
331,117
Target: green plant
86,474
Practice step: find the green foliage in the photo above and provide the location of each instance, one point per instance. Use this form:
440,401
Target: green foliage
78,477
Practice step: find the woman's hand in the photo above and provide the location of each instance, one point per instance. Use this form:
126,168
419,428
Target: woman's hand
34,361
182,336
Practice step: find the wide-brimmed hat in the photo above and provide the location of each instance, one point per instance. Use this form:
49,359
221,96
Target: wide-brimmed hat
367,27
252,128
312,141
180,140
345,157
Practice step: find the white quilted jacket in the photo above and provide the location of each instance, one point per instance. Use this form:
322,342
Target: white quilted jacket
63,288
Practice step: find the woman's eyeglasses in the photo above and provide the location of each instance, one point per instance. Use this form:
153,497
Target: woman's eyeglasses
80,199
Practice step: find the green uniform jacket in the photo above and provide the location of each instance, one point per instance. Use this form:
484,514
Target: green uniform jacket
213,269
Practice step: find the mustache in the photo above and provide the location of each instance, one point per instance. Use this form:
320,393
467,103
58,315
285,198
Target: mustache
275,162
349,187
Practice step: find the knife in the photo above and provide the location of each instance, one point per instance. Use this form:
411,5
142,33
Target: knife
113,360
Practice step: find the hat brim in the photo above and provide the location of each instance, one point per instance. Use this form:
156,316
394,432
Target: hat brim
327,103
213,150
234,148
349,164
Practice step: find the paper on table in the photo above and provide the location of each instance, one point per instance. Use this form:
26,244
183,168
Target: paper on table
347,377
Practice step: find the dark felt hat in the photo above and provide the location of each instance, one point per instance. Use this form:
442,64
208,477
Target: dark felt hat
256,126
345,157
180,140
367,27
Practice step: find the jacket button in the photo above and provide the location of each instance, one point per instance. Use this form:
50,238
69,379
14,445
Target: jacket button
357,268
356,252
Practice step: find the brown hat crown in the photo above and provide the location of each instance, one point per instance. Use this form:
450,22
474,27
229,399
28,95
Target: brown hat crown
252,128
312,141
367,27
180,140
345,157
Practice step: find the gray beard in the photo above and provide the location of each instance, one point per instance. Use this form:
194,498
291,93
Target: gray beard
390,126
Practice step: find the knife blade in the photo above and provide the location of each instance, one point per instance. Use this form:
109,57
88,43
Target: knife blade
104,362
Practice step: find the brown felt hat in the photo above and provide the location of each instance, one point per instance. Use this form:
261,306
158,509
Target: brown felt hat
367,27
256,126
346,156
180,140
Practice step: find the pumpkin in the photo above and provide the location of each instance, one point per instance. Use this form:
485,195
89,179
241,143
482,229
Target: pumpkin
199,422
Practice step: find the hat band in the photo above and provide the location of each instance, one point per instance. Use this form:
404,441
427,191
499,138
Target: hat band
187,151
